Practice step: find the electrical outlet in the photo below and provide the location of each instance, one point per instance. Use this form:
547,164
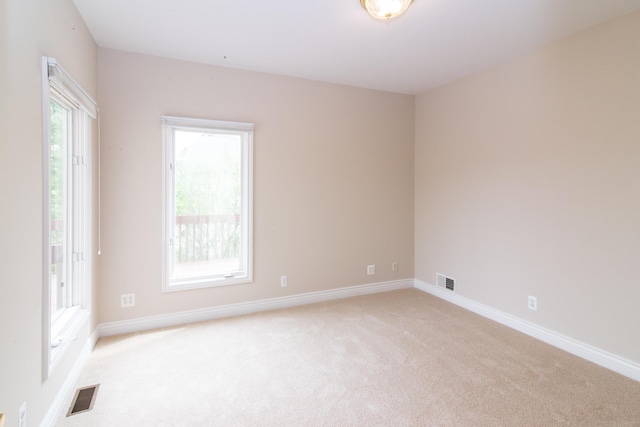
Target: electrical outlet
127,300
283,281
22,415
371,269
394,266
532,303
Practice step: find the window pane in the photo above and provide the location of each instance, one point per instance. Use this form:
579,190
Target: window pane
208,190
59,146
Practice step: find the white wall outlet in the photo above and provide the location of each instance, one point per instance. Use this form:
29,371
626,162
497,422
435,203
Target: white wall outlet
532,303
283,281
394,266
371,269
22,415
127,300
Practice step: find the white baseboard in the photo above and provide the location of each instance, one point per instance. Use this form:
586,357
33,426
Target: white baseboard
185,317
68,387
607,360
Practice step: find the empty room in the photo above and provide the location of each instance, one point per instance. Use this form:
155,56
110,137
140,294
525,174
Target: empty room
339,212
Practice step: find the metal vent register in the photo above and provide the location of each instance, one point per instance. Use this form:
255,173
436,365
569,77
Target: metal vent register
445,282
83,400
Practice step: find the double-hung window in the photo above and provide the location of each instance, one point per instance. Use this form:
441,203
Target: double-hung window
207,212
67,115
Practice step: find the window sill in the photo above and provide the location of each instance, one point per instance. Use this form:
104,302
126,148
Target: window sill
193,283
64,331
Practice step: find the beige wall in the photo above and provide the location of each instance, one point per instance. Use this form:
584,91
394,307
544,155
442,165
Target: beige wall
30,29
333,180
528,183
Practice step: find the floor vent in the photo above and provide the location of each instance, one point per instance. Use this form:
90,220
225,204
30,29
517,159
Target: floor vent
445,282
83,400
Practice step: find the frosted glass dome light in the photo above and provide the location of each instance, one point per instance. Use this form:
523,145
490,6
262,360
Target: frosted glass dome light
385,9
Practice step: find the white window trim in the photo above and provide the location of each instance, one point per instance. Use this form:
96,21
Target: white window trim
58,335
168,214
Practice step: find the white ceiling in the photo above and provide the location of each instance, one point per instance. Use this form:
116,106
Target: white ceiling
435,42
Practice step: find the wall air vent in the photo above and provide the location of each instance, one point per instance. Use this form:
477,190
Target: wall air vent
445,282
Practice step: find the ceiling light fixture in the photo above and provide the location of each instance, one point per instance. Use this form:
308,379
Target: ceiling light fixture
385,9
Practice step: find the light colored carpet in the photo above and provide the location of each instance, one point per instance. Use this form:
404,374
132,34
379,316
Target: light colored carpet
401,358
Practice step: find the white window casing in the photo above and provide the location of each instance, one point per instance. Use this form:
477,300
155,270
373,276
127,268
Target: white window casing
207,242
72,298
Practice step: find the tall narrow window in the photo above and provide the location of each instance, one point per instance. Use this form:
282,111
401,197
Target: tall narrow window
67,113
207,212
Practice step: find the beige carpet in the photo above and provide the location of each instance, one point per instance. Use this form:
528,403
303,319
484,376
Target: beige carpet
401,358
